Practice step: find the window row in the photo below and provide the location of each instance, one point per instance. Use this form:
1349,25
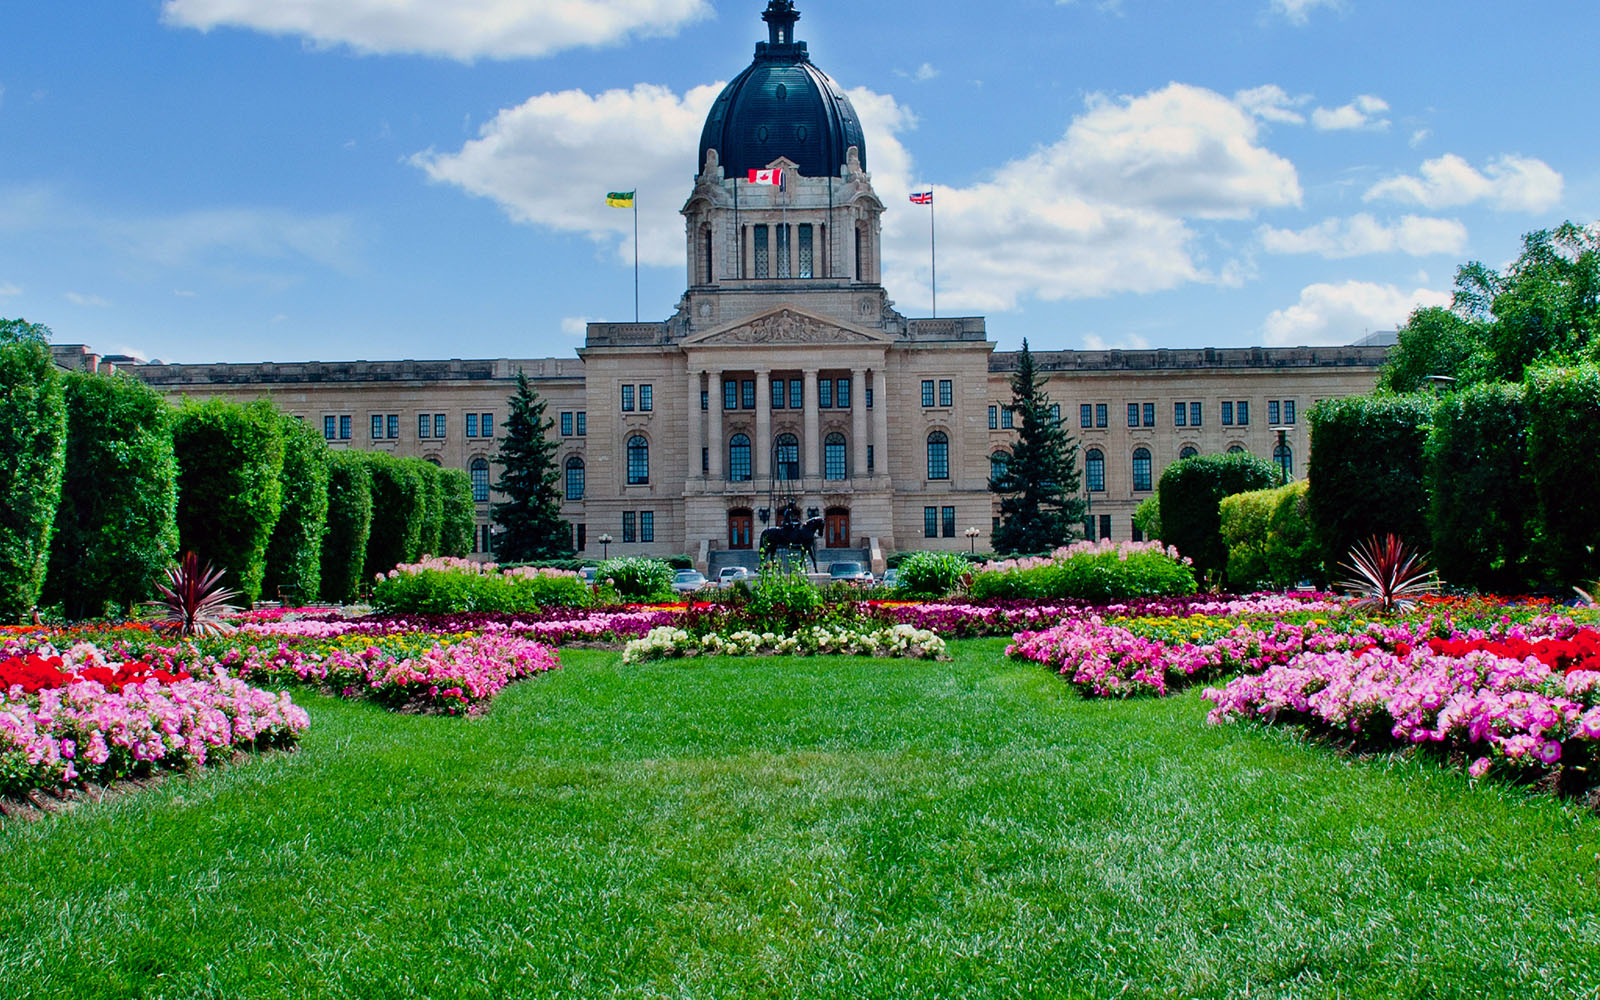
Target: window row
785,458
430,426
569,426
644,393
1233,413
771,248
937,521
1094,466
947,392
1001,418
787,394
638,526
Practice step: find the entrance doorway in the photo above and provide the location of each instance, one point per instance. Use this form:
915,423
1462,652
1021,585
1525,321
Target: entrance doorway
741,523
836,531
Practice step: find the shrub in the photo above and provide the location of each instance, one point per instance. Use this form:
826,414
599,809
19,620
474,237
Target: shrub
456,586
459,514
116,528
33,437
1148,517
294,553
433,509
1366,471
344,547
783,597
1478,487
637,579
933,574
399,506
1563,440
1191,491
230,456
1246,520
1292,551
1088,571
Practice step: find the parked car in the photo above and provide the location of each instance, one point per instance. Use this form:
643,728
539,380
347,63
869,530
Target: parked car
891,579
687,581
731,575
588,574
849,572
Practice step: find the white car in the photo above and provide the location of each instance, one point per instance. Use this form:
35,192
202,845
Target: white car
731,575
687,581
850,572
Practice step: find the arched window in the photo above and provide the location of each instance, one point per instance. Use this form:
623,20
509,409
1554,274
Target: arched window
1189,451
1141,469
433,460
1237,449
786,455
1094,470
938,455
479,470
1283,458
739,458
1000,465
575,478
833,466
706,272
638,461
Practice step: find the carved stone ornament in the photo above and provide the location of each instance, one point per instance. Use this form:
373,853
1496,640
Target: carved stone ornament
785,327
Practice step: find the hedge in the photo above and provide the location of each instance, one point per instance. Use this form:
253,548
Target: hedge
294,554
399,507
1190,492
433,506
1563,442
230,459
33,437
344,546
459,514
1293,554
1269,538
933,574
117,523
1479,486
1367,471
1087,571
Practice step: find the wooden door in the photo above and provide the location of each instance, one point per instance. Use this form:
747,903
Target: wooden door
836,533
741,523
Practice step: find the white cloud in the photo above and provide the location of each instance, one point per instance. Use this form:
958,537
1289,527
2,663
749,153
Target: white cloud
1341,314
1509,183
1272,103
91,301
575,326
1362,113
458,29
1363,234
1420,136
922,74
1127,342
1299,11
7,289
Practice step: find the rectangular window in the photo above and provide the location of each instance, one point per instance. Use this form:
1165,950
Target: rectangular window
1180,414
472,425
566,424
994,417
377,427
747,394
1273,412
1242,411
825,393
486,424
779,393
927,392
797,394
806,256
391,425
1149,414
630,531
1227,414
761,251
439,424
1055,414
869,458
930,522
627,399
1102,415
842,387
1008,418
327,428
1088,528
424,425
783,250
1133,414
705,400
1085,415
730,394
705,460
1105,525
947,518
946,392
647,398
1288,411
1196,415
647,526
583,422
344,428
1138,533
869,397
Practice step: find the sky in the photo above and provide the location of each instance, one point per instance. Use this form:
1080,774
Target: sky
244,180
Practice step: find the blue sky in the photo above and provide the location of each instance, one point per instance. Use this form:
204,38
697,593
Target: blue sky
253,179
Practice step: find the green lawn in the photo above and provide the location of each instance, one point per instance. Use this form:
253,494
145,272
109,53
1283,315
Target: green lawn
804,828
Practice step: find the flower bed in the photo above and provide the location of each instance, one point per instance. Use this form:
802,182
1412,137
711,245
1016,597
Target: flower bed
442,586
1098,571
896,640
80,717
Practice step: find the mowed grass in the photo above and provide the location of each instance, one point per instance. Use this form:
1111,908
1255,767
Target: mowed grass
804,828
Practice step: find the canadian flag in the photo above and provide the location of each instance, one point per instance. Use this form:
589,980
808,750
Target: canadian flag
770,178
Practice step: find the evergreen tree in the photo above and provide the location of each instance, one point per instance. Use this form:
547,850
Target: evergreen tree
530,521
1039,504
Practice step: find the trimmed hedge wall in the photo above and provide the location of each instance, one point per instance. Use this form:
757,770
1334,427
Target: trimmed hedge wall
344,546
460,513
294,554
433,506
1564,454
399,508
1367,472
117,523
1479,486
33,438
230,459
1192,490
1269,538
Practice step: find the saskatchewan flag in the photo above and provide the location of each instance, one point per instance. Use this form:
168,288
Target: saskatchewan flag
620,199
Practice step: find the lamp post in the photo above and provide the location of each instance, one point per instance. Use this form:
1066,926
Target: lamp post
1280,456
972,539
605,546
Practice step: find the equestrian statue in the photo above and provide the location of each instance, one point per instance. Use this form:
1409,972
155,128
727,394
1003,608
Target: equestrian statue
792,535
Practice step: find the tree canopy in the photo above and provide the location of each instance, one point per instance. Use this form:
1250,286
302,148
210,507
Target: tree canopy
1038,486
530,516
19,330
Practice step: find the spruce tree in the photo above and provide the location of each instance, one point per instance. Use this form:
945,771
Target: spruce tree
1039,504
529,518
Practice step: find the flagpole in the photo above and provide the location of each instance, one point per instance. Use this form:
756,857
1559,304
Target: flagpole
636,256
933,255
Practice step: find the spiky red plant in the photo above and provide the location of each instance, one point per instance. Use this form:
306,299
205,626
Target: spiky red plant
193,600
1388,574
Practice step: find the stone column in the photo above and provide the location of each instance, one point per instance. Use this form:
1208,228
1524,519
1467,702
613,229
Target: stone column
858,423
880,424
714,435
812,451
696,427
763,443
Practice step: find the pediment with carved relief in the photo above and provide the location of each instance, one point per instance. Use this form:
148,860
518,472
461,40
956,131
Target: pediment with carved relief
785,326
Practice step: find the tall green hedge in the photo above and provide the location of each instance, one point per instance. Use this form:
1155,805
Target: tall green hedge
294,555
433,504
230,458
1479,486
399,507
1246,519
116,526
455,538
1190,493
1563,445
1367,472
344,546
1269,538
33,437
